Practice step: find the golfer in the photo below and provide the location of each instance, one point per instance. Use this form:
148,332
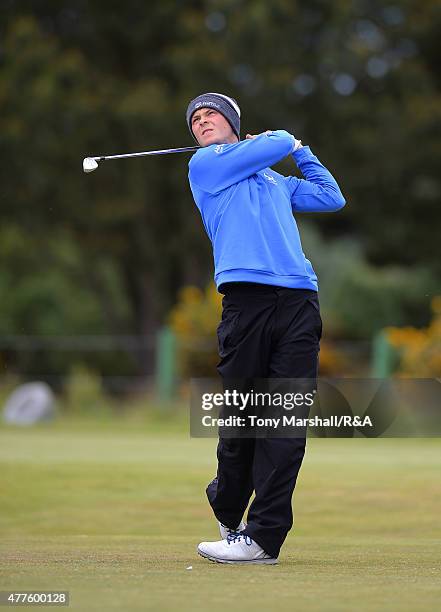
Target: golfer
271,325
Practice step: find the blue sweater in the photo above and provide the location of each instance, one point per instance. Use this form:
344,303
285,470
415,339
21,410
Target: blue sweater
247,208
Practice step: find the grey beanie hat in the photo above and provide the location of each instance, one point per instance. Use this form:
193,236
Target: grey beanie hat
225,105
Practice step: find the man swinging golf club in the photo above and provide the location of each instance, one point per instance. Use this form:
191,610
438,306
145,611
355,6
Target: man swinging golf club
271,325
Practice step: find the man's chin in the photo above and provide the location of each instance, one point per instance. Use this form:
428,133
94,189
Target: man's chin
212,139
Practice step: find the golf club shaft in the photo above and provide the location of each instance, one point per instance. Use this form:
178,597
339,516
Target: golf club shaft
144,153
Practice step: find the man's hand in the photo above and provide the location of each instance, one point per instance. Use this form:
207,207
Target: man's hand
251,136
297,143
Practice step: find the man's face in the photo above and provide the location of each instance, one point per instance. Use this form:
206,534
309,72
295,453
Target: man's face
210,127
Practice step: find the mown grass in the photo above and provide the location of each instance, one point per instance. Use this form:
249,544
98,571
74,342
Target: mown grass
113,511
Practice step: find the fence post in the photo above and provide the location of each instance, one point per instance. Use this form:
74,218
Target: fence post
384,357
165,363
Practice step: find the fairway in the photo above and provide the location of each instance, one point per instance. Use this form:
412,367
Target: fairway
114,514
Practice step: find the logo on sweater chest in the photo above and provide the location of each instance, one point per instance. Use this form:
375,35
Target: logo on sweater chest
270,178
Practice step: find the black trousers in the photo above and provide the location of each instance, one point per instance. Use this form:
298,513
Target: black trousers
265,332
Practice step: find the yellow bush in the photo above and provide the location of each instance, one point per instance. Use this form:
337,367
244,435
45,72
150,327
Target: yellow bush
194,320
331,361
419,349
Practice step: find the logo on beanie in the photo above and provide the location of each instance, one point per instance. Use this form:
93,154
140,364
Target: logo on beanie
206,103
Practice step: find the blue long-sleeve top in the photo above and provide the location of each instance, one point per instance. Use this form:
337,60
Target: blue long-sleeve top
247,208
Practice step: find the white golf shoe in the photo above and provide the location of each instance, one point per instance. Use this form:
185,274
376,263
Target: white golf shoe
226,531
236,548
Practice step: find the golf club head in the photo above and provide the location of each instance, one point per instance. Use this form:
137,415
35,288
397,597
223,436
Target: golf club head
89,164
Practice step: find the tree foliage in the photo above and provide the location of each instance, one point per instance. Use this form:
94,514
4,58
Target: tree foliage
358,81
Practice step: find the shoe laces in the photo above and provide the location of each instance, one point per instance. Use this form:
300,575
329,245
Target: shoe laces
230,530
237,537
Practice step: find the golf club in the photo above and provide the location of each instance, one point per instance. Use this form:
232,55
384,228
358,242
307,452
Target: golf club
91,163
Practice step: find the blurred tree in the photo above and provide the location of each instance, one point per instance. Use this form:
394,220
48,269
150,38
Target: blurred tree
357,80
358,299
44,191
48,290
